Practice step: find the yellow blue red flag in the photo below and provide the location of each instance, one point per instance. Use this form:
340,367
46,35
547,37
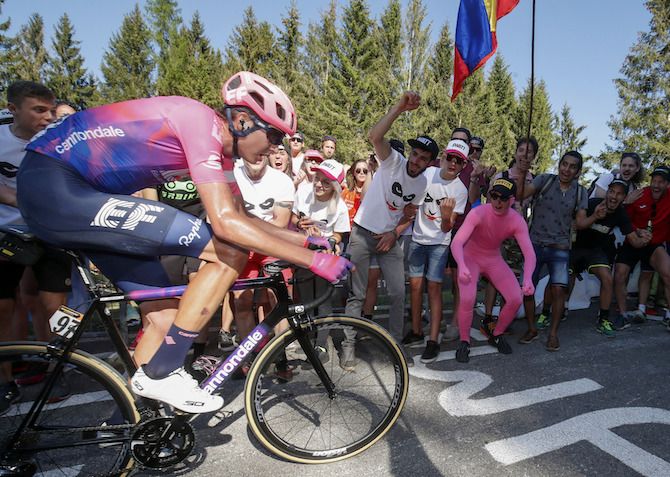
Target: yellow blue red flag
476,36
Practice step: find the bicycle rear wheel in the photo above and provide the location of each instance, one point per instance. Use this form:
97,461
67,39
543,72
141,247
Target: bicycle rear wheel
290,412
85,426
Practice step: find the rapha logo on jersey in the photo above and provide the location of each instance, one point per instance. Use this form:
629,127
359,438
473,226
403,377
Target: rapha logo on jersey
77,136
123,214
213,162
193,234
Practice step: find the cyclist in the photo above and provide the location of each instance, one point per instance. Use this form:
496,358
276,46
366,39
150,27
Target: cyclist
74,191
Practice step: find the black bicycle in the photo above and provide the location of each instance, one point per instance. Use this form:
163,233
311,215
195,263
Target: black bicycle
326,389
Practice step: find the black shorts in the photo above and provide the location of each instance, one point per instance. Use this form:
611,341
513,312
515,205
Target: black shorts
52,271
586,259
629,255
122,235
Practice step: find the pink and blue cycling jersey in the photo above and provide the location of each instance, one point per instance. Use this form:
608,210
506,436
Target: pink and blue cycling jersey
124,147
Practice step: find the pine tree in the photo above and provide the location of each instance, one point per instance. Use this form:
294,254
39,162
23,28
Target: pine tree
417,37
544,122
501,144
252,47
642,123
66,75
568,134
7,55
31,55
193,68
290,43
164,21
437,114
128,64
389,71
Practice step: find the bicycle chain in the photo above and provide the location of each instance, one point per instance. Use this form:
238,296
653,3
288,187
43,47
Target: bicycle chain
153,450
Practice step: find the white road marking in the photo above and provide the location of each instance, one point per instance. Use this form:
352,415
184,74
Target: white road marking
75,400
593,427
62,472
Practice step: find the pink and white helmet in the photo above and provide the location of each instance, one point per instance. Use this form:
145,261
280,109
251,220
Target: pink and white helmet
263,97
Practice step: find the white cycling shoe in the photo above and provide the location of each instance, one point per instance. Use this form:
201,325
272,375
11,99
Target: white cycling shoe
178,389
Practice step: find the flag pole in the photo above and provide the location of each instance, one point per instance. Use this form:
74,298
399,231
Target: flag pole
522,180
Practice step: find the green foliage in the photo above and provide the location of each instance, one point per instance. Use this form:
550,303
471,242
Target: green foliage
66,75
128,64
642,123
31,55
501,143
251,47
543,126
7,55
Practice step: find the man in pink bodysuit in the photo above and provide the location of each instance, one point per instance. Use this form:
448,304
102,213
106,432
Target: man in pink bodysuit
476,249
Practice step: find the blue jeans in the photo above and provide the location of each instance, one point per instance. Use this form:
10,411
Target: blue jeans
557,261
428,260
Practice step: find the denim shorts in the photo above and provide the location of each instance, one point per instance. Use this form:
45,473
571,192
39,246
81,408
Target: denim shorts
557,261
428,260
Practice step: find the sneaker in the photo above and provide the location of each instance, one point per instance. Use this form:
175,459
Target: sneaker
528,337
227,341
179,389
552,344
500,343
451,334
487,326
666,321
637,316
620,323
605,328
463,352
348,356
322,352
412,340
543,321
9,394
431,352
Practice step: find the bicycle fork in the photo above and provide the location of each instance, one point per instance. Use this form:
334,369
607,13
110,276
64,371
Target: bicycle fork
299,327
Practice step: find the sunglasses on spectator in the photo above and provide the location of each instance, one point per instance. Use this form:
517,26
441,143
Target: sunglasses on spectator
475,149
325,182
496,196
361,171
456,159
296,139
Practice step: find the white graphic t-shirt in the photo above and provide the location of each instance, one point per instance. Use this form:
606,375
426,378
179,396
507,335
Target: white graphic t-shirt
260,196
428,222
390,191
337,221
11,155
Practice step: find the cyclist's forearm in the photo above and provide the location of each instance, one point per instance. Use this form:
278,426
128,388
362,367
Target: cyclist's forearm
282,233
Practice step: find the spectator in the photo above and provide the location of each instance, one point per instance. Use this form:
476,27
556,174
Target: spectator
303,181
397,182
481,175
630,170
445,198
559,199
296,143
281,161
476,248
358,180
594,250
650,213
328,146
63,108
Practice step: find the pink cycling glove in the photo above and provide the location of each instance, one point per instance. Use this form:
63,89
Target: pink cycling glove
321,242
330,267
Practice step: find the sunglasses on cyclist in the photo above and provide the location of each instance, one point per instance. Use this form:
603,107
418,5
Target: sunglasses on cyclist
496,196
456,159
275,136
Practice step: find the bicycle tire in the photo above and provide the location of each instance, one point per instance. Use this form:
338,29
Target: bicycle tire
293,417
98,406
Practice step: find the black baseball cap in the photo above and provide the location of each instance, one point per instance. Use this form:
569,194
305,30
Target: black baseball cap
504,187
619,181
426,143
397,145
663,171
477,141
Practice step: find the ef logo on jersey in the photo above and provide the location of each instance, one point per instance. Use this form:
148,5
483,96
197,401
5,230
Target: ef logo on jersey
123,214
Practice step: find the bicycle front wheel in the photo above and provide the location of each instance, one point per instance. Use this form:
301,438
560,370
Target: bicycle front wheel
85,425
291,413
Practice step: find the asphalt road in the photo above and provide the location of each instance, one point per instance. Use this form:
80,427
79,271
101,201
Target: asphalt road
598,406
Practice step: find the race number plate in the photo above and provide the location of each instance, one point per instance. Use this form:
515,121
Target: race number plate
65,321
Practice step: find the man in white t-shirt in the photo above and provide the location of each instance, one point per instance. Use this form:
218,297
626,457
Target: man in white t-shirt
445,198
296,143
397,183
267,194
